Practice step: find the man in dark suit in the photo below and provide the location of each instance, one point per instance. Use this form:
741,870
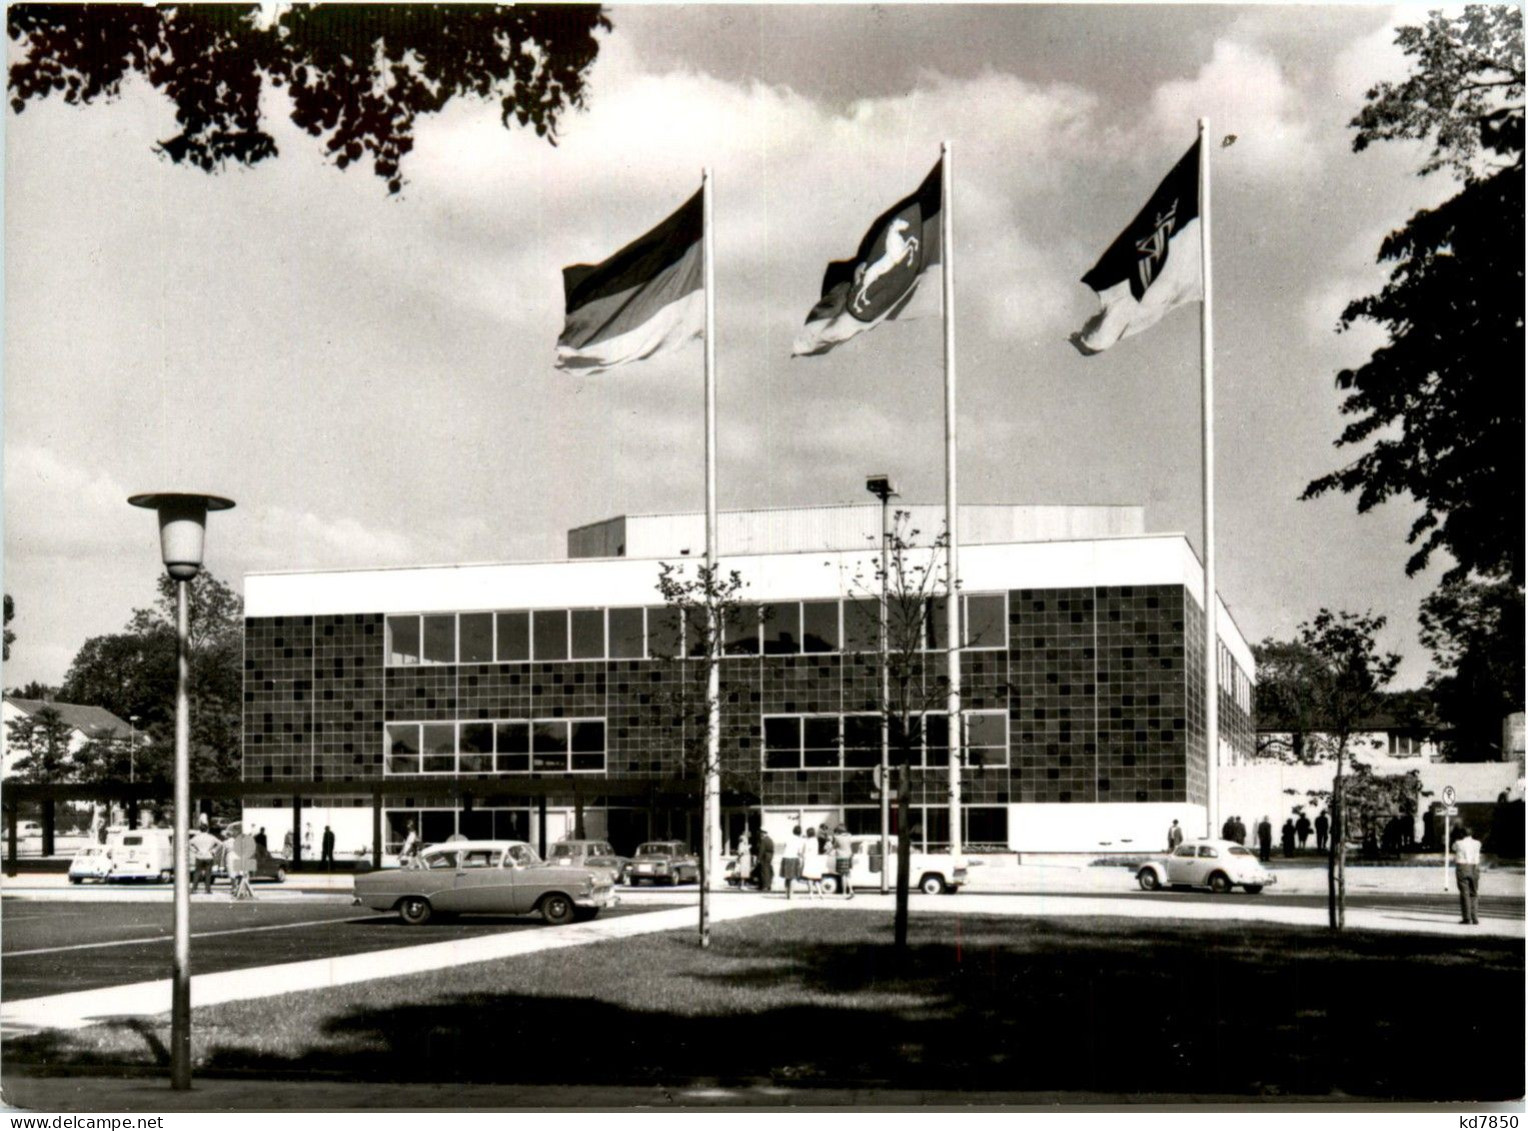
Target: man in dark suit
328,849
1322,826
1264,840
766,860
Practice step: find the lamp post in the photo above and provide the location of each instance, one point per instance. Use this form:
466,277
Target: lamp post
132,749
884,489
182,527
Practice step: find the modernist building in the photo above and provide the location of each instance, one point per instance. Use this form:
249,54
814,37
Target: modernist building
548,696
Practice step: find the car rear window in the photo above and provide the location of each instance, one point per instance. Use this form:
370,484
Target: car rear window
1238,850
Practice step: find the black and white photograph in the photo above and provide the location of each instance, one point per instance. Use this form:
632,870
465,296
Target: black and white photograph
803,558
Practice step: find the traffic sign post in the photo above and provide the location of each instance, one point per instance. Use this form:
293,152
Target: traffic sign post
1449,810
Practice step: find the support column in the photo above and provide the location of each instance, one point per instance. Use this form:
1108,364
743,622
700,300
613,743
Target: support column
49,812
12,815
578,811
296,832
541,825
376,828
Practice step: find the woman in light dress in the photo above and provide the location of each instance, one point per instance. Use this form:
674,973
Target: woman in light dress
744,861
811,865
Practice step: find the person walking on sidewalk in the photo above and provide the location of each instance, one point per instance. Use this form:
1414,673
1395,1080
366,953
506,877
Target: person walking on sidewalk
790,860
1322,827
1174,836
766,860
204,850
843,859
1264,840
1467,875
328,860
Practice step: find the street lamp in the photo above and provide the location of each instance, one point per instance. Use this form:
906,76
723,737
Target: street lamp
182,527
884,489
132,748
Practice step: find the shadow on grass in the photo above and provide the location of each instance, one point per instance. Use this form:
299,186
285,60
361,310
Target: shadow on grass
817,999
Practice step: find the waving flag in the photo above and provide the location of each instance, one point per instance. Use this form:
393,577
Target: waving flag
647,298
886,277
1152,267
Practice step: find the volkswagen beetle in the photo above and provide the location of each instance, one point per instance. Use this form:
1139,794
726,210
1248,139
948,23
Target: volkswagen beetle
1218,865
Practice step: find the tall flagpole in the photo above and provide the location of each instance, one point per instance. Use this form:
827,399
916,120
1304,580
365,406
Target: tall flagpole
711,803
1207,367
956,729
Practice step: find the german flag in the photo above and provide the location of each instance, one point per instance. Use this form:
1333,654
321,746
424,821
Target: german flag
648,298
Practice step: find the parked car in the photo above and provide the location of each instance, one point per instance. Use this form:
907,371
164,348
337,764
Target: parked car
486,877
140,854
267,866
933,873
1218,865
26,829
589,854
666,861
92,863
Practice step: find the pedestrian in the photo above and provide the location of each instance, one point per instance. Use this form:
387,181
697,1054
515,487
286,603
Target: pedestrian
409,853
1467,875
1264,840
260,840
811,863
1241,831
307,841
1302,830
1228,830
1174,836
204,850
744,861
766,860
843,860
286,845
790,860
328,861
1289,837
1322,826
237,853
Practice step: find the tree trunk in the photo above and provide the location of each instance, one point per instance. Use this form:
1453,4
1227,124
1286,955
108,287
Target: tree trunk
1336,881
904,851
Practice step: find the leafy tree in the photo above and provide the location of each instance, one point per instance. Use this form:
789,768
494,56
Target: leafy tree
1442,402
43,739
133,673
35,689
10,613
358,77
1474,630
708,605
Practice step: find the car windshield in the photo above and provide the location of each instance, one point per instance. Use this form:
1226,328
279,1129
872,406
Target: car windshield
656,850
564,851
1238,850
523,855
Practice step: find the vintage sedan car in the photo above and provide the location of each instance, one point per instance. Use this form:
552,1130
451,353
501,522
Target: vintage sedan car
267,866
1218,865
94,862
486,877
589,854
663,861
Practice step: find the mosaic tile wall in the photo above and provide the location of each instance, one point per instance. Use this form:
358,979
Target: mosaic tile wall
1100,687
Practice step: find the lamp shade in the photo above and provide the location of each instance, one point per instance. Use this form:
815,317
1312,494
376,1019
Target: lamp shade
182,528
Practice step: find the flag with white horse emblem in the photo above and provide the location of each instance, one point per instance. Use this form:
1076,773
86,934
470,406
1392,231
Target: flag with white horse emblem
895,274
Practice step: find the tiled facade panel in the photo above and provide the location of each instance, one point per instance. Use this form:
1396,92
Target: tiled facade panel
1100,686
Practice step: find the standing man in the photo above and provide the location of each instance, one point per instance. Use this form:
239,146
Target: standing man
328,860
1174,836
1302,830
260,841
204,849
1228,830
1322,825
1467,875
1264,840
1289,837
790,860
766,860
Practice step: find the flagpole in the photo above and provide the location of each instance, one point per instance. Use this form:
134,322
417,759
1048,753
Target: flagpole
956,729
1207,368
711,815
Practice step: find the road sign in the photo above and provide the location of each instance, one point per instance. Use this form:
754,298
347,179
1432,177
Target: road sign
1451,811
1448,795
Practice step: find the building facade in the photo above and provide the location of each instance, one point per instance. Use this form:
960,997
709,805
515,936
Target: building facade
530,682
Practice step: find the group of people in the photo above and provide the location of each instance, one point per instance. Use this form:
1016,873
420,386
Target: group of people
238,855
1297,829
804,856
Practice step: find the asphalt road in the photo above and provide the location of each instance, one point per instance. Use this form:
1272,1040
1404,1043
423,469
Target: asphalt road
1491,906
52,948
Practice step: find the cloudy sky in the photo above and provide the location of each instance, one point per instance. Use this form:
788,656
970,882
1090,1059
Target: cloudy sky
371,376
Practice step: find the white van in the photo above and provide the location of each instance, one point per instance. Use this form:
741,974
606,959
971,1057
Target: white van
141,854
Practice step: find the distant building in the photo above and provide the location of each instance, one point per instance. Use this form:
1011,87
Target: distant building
1081,664
85,723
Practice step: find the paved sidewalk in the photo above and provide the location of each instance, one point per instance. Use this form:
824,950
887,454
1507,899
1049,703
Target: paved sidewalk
146,999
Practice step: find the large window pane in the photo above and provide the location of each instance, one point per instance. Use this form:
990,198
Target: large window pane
907,624
440,639
663,633
549,629
862,625
862,741
588,745
819,626
403,640
476,748
782,743
477,638
936,744
514,637
512,741
402,748
986,824
549,746
588,634
937,625
781,626
626,634
986,621
987,731
819,743
740,635
439,742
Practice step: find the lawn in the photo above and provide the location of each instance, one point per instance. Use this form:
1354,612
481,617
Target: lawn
813,997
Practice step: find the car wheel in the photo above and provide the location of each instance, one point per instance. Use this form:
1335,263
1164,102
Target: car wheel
830,885
1220,883
280,875
76,879
1148,879
557,909
931,884
1253,889
415,910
